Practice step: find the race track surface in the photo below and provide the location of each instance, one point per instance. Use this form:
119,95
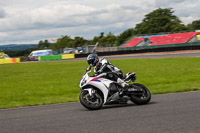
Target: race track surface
166,113
149,55
191,53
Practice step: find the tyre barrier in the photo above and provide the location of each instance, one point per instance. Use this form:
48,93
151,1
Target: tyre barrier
8,61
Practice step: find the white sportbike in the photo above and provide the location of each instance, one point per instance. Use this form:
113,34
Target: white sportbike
97,91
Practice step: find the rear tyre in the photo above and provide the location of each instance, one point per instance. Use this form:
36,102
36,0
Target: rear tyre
144,98
93,102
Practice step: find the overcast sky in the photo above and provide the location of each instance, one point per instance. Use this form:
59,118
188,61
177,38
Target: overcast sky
28,21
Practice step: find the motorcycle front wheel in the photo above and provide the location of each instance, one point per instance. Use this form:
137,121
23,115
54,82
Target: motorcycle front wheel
93,102
143,98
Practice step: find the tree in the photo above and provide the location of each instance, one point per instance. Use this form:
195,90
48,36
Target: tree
101,34
105,41
125,35
40,44
160,20
195,25
110,40
68,42
79,41
63,42
43,44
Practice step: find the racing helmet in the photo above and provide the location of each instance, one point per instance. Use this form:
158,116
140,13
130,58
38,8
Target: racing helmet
92,59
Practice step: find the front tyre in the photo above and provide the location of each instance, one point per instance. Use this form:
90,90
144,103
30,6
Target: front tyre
143,98
93,102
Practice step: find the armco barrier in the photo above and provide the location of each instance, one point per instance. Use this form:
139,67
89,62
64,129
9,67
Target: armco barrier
12,60
68,56
56,57
50,57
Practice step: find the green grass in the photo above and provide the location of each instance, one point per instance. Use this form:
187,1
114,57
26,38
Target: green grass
27,84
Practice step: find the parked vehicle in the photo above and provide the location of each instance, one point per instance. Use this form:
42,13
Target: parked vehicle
96,91
4,56
34,54
69,50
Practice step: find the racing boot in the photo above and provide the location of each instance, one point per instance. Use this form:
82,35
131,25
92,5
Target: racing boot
124,86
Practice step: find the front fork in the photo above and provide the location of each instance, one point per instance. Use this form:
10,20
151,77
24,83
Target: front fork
91,91
92,98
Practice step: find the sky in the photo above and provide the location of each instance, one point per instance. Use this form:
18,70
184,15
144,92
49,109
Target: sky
29,21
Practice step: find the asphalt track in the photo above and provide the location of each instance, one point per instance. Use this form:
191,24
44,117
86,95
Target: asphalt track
166,113
159,55
148,55
138,56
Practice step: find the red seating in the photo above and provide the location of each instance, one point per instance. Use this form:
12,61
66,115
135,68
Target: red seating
159,40
163,39
133,42
172,38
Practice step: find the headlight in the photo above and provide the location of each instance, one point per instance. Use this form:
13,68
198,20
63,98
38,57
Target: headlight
83,82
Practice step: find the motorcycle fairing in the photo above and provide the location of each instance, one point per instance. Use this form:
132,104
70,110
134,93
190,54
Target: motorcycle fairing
102,86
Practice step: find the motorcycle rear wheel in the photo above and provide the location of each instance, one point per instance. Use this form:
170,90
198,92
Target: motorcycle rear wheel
94,102
141,99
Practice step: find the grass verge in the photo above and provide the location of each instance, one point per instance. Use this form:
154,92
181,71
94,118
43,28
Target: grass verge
40,83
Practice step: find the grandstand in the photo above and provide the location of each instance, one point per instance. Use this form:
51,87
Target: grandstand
134,42
164,39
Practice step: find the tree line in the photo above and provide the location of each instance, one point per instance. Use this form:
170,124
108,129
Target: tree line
161,20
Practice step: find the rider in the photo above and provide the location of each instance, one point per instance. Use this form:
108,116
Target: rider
104,67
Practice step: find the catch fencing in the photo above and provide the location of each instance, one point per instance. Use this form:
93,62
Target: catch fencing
145,49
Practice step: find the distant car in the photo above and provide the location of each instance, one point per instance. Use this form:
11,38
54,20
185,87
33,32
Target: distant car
69,51
34,54
4,56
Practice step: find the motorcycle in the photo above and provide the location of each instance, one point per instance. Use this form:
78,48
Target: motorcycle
97,91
